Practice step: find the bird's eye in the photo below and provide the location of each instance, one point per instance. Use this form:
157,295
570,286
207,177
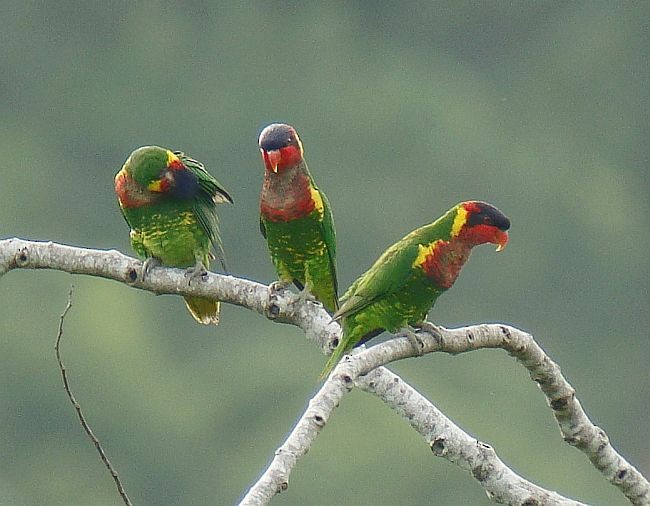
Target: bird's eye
487,220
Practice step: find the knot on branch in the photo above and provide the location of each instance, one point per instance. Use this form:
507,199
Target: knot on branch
439,446
319,420
620,474
482,472
22,257
332,344
561,403
131,275
273,308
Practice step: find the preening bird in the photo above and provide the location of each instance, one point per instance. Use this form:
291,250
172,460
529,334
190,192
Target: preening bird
295,218
404,283
169,202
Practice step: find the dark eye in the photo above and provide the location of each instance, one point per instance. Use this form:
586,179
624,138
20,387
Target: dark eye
487,220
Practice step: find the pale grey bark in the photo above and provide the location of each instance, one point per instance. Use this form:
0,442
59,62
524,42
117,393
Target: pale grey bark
445,439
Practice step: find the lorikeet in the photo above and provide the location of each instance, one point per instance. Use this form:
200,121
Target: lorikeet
169,201
295,218
404,283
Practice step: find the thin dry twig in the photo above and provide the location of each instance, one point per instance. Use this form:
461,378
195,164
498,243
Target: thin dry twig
77,406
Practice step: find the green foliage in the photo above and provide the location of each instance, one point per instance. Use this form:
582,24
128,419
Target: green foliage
405,110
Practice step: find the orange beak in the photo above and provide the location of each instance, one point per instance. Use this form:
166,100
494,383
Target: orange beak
501,239
272,159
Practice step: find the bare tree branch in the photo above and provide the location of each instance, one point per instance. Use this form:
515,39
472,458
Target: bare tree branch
444,438
576,428
82,419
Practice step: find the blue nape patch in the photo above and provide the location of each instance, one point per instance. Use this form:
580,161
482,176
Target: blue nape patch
186,184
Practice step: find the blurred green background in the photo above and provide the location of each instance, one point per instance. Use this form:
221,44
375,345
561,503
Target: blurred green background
404,109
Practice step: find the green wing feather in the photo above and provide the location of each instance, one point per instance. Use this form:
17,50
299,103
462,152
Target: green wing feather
386,276
392,269
210,193
262,227
329,236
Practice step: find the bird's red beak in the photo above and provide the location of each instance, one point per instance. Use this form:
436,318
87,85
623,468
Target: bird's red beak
272,159
501,239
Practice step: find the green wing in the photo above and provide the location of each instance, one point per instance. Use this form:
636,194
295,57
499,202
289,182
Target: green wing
387,275
262,227
210,193
329,236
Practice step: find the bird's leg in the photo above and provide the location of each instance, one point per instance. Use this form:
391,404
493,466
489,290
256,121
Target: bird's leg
432,329
278,286
305,295
147,265
198,270
417,344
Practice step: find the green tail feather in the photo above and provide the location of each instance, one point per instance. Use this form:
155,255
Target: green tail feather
336,355
205,311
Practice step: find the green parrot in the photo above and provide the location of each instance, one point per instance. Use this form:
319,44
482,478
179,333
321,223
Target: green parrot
169,202
404,283
295,218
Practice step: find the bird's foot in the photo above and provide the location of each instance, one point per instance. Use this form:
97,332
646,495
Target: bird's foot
278,286
147,265
197,271
414,339
275,288
432,329
305,295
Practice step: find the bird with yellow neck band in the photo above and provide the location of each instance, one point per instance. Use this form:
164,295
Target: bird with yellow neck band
404,283
169,202
295,218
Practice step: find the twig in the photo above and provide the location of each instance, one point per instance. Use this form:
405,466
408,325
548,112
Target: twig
77,406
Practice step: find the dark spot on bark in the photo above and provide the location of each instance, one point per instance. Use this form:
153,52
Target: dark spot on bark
480,473
531,502
334,343
347,379
132,274
470,337
438,445
561,403
621,474
273,311
22,257
283,486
